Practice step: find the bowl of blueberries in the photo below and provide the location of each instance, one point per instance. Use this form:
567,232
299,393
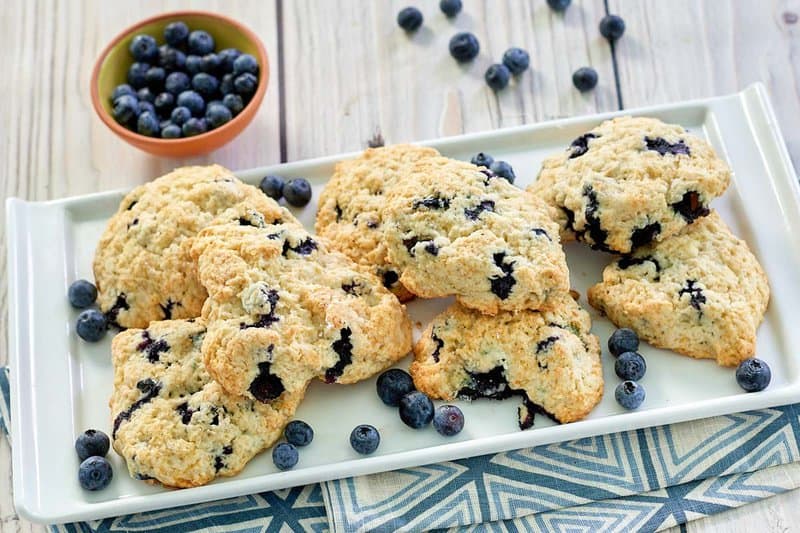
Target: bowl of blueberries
181,83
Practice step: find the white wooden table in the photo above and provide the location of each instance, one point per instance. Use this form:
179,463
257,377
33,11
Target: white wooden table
346,73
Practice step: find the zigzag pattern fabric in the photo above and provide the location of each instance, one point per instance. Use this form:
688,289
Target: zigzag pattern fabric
644,480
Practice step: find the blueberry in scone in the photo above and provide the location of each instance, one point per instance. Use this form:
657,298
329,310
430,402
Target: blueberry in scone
548,358
701,293
456,229
282,308
171,422
629,182
351,207
142,265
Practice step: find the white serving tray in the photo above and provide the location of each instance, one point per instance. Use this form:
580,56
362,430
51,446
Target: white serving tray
60,385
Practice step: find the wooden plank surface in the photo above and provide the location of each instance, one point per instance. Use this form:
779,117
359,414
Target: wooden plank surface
349,73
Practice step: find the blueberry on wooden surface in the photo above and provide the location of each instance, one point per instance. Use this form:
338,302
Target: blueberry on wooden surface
558,5
584,79
464,46
497,76
516,59
450,8
612,27
409,18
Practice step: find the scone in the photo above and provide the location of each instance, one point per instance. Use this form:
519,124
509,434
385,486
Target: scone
455,229
549,358
350,214
142,266
631,181
701,293
282,308
171,422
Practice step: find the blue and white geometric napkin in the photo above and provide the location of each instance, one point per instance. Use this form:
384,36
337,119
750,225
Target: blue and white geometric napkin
644,480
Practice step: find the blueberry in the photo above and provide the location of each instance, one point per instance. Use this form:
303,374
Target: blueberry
194,126
123,89
146,106
211,64
147,124
629,394
365,439
448,420
584,79
91,325
623,340
393,385
482,159
125,108
464,46
192,101
272,186
245,84
171,58
155,77
285,456
753,375
164,104
91,443
245,63
228,56
298,433
146,95
95,473
200,43
82,294
450,8
630,366
416,410
409,18
497,76
177,82
297,192
234,103
503,170
176,33
517,60
226,84
180,115
205,84
217,114
143,48
612,27
136,75
558,5
171,131
194,64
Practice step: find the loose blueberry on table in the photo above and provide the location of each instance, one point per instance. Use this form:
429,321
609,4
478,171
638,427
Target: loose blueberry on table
91,443
503,170
409,18
392,385
517,60
630,366
584,79
448,420
450,8
497,76
213,87
612,27
285,456
464,46
416,410
623,340
753,375
629,394
558,5
82,294
91,325
297,192
95,473
298,433
365,439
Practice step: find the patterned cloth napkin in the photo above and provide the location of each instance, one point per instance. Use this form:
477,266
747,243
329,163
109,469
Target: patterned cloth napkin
643,480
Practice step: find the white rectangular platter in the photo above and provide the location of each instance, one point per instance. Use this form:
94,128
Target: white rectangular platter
60,385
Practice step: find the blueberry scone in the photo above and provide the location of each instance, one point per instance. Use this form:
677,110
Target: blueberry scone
701,293
350,214
142,266
549,358
455,229
631,181
171,422
282,309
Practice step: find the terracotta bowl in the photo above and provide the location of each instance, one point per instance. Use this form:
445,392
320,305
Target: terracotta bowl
112,66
